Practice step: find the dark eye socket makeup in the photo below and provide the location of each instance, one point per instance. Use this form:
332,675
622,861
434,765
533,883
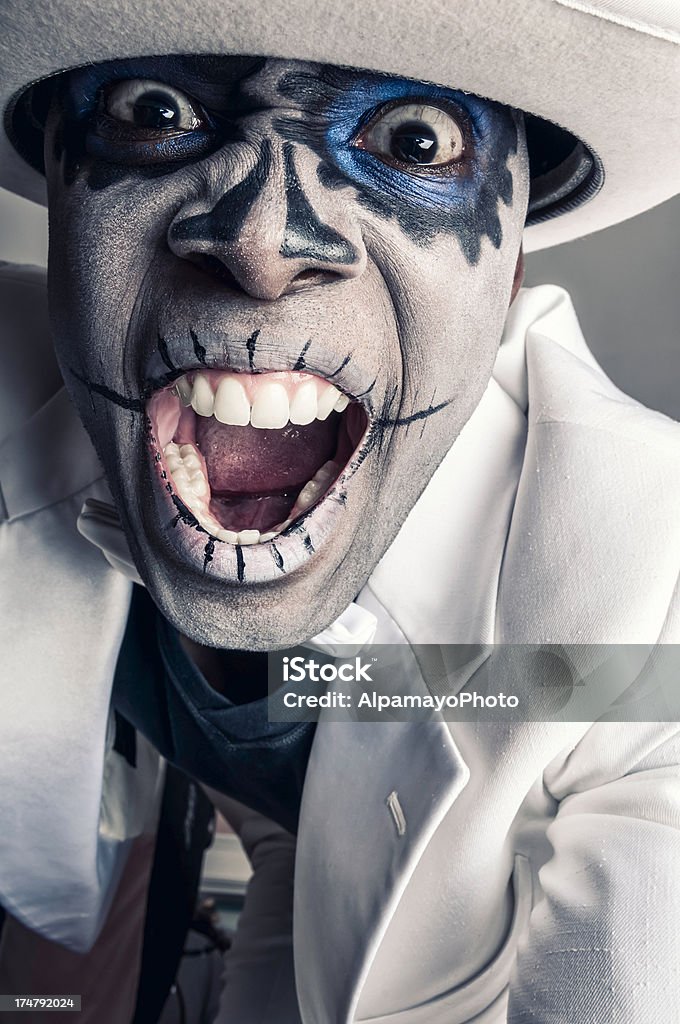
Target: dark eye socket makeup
414,134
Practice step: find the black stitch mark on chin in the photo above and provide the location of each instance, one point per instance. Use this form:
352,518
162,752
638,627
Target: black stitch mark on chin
199,350
208,551
305,236
131,404
250,346
165,355
278,558
342,366
301,364
184,514
240,564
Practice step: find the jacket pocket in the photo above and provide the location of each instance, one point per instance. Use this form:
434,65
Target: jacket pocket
482,999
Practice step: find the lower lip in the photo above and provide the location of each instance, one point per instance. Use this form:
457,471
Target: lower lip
243,564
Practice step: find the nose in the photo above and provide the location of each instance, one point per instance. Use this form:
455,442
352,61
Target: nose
268,234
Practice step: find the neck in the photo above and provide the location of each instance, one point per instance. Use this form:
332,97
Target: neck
240,676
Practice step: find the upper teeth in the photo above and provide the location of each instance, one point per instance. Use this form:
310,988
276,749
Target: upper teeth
266,401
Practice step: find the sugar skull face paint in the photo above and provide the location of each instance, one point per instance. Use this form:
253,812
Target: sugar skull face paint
277,291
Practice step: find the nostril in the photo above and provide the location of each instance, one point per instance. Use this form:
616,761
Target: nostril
216,268
220,271
314,276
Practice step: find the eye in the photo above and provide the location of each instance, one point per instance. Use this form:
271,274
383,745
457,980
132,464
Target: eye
415,135
150,105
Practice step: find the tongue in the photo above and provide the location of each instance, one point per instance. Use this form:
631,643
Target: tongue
250,461
256,475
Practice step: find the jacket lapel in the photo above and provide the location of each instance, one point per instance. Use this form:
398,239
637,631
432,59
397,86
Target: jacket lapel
597,504
375,793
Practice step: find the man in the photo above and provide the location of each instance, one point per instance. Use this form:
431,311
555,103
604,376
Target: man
277,286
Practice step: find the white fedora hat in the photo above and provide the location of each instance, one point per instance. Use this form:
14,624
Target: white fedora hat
606,72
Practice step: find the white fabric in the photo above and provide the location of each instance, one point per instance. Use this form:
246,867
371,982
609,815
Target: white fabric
591,557
658,17
589,551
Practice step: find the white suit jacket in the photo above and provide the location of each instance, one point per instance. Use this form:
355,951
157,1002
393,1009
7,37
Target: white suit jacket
533,873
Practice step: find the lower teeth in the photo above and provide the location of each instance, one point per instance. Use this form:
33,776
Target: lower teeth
191,485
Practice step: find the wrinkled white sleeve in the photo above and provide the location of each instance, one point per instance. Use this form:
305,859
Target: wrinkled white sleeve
603,944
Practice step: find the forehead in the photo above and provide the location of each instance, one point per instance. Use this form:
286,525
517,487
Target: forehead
223,78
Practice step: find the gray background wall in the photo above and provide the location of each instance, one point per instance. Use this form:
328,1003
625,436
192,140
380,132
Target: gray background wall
625,283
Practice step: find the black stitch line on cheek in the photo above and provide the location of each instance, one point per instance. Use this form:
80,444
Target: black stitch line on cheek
408,425
199,350
278,558
422,414
305,236
378,428
307,541
300,363
384,419
165,355
132,404
368,389
342,366
240,564
250,346
430,407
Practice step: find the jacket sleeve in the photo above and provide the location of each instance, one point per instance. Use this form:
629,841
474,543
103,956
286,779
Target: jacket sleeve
603,943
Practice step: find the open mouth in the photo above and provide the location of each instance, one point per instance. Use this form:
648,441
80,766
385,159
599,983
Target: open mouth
250,453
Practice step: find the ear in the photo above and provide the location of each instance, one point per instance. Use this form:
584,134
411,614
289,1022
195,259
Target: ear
519,275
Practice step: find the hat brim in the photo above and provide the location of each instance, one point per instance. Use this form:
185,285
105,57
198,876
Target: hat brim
614,86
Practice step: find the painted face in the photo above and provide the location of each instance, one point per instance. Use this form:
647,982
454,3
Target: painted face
277,291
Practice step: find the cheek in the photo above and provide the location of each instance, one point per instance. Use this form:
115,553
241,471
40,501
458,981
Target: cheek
450,317
449,314
103,247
